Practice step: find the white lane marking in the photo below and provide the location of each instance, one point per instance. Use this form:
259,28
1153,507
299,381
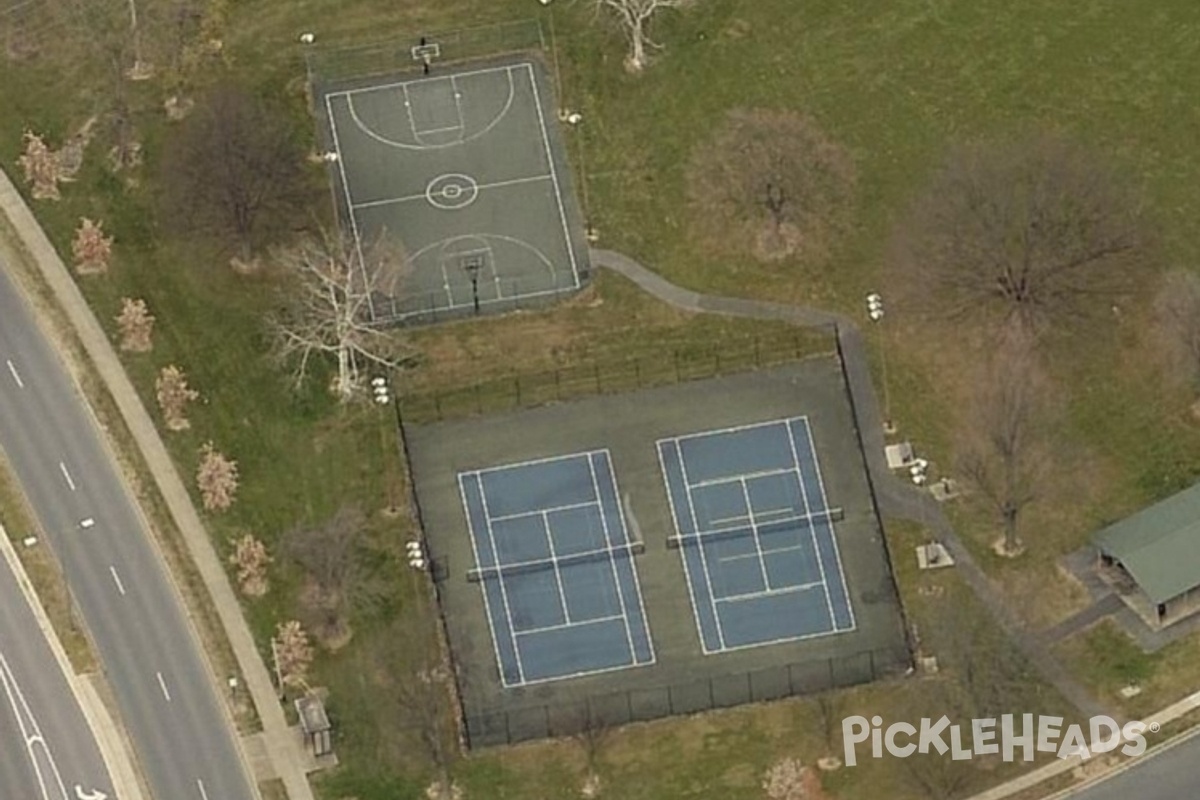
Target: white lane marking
163,685
95,794
121,589
200,786
15,374
87,523
37,749
67,475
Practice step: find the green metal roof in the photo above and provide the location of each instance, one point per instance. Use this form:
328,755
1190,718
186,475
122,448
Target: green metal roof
1159,546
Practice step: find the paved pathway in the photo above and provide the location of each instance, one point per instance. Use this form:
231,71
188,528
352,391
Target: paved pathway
895,497
1083,619
286,753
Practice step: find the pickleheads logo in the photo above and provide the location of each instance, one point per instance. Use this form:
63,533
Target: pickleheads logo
1036,733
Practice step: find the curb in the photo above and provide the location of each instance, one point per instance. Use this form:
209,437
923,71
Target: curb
104,730
285,754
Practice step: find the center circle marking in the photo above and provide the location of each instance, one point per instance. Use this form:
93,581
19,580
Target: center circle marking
452,190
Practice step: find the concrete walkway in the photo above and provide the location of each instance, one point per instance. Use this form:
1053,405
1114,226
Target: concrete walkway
896,498
284,747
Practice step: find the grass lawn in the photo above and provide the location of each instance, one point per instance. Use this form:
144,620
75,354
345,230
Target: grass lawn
894,83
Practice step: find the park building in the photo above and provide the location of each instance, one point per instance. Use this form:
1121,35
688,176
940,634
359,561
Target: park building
1152,559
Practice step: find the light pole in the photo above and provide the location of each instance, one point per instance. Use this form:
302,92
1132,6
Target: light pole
875,313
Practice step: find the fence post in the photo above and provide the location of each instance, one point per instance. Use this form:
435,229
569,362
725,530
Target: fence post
517,389
478,399
558,384
437,405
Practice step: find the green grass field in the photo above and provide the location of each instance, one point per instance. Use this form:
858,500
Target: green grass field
895,83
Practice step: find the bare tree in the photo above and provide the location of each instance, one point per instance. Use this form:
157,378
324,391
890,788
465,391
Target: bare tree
771,182
293,654
233,169
217,479
634,18
173,394
420,694
937,776
1177,317
331,555
91,248
136,324
1004,455
1039,231
326,304
984,674
593,735
829,711
251,558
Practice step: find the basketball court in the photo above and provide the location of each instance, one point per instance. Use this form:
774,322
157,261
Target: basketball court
465,167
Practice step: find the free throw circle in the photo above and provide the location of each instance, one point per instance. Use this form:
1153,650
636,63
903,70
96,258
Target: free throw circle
451,191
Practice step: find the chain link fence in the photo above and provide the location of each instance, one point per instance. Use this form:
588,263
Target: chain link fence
660,366
396,54
504,295
540,721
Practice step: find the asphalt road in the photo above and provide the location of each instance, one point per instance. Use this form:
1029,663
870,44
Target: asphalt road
150,655
1171,775
48,752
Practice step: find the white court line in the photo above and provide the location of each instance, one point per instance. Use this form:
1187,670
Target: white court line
423,196
120,586
749,476
442,130
550,510
812,530
837,555
537,563
662,465
581,623
462,123
700,549
396,84
562,594
412,121
16,376
341,162
487,519
762,562
63,468
800,587
369,132
612,562
533,461
482,302
462,491
571,675
769,551
162,684
200,786
738,428
637,584
562,213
